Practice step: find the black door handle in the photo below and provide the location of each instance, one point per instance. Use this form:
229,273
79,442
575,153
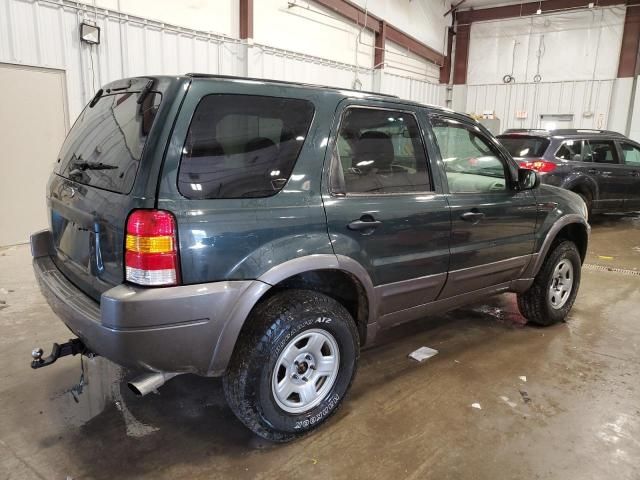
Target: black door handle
473,217
366,227
635,173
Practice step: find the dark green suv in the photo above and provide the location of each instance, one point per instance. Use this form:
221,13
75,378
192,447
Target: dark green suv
265,232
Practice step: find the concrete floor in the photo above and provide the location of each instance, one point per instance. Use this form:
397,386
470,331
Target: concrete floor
577,415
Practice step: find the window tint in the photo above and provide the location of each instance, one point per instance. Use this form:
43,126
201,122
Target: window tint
104,147
600,151
570,150
379,151
631,154
471,163
242,146
525,147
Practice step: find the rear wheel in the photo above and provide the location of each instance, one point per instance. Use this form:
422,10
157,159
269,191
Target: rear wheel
293,364
588,200
554,289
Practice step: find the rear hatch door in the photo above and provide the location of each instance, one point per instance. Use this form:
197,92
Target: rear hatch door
104,170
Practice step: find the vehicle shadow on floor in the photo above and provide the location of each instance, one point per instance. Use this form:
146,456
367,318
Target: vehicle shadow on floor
188,421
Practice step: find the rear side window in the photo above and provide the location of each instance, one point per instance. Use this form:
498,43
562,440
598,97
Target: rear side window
600,151
242,146
570,150
104,147
525,147
631,154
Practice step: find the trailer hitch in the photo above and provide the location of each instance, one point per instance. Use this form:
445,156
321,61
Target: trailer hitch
72,347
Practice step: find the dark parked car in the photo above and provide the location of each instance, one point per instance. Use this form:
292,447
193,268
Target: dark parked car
265,232
602,167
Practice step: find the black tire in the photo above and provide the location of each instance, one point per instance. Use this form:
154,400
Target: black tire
535,304
270,328
588,200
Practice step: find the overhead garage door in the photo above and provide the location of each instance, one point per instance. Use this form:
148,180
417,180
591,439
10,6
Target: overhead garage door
33,123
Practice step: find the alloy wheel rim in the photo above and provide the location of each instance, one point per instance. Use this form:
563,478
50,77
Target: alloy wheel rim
305,371
561,284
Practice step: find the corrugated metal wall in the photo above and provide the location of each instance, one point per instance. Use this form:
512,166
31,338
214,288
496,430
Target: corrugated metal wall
413,89
588,101
278,64
45,33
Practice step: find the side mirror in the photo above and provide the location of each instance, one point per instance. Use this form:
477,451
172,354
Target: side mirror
528,179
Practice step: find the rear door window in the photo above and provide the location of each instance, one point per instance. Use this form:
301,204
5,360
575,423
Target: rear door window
379,151
242,146
600,151
104,147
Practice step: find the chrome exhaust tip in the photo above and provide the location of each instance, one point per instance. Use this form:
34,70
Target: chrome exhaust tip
149,382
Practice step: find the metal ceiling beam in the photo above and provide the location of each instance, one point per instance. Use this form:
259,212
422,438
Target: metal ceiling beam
445,71
526,9
357,15
629,65
246,19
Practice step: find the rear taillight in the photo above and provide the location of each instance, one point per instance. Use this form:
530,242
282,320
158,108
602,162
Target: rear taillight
540,166
151,254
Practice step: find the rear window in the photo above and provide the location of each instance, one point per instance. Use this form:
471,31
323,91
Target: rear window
104,147
242,146
526,147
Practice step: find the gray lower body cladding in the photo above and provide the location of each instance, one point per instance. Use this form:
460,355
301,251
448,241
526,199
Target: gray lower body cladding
174,329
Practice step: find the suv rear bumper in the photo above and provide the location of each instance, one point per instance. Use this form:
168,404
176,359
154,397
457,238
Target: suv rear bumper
173,329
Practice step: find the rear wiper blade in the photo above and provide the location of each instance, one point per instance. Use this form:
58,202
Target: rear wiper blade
83,165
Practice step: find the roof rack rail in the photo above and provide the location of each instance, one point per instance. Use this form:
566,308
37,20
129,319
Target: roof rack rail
578,131
524,130
298,84
563,131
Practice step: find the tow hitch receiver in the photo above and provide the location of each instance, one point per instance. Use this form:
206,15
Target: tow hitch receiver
72,347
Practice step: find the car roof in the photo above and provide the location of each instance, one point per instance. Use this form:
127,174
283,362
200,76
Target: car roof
345,92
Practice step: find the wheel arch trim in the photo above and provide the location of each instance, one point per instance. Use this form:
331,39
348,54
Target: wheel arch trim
252,295
569,219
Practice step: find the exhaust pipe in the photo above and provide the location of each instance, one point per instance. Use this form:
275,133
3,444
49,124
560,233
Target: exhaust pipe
149,382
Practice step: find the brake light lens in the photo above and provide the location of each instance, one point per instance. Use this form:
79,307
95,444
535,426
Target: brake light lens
151,253
540,166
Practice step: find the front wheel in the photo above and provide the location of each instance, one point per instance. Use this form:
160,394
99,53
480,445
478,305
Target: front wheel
554,289
293,364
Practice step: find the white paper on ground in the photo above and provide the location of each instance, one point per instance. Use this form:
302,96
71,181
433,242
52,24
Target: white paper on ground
423,353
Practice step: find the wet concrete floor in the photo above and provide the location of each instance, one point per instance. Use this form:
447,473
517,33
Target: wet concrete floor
556,403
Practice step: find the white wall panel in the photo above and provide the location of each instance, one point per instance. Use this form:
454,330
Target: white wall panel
399,61
309,28
579,45
45,33
422,19
588,101
277,64
413,89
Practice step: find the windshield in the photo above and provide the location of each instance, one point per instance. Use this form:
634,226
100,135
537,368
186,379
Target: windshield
527,147
104,147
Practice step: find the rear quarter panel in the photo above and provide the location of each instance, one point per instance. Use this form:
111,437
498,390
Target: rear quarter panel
239,239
